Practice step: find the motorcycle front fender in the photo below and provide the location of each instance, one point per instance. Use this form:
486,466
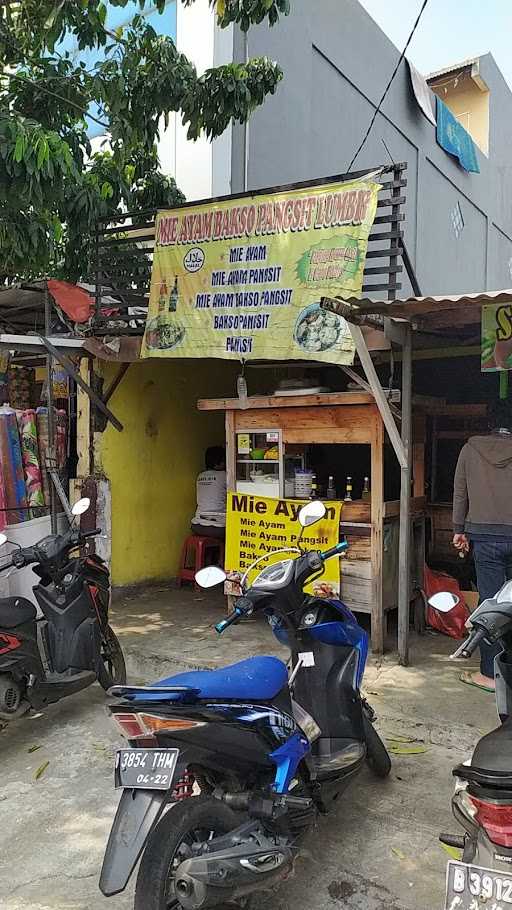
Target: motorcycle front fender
137,814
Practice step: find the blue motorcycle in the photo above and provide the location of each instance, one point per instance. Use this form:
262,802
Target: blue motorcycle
224,770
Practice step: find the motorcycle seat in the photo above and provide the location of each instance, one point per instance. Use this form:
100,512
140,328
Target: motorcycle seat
14,611
493,752
255,679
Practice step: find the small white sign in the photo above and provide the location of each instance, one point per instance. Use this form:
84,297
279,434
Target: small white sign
307,659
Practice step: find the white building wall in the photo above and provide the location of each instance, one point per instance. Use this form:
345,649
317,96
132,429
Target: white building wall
195,29
201,169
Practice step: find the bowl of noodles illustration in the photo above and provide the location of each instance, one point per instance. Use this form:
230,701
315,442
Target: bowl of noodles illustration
164,334
317,329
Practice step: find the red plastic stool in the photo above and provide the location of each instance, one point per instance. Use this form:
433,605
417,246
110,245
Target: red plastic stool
199,552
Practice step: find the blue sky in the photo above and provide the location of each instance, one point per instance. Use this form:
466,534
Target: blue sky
163,23
449,30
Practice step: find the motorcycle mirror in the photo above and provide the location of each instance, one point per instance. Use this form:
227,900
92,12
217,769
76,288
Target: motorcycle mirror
81,506
210,576
444,601
311,513
3,539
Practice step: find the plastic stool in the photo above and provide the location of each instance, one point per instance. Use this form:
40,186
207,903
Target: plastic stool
199,552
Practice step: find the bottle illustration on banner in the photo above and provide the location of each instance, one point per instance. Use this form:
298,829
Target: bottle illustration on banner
173,299
163,331
163,296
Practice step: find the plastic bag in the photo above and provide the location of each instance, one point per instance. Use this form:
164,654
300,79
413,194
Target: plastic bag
453,622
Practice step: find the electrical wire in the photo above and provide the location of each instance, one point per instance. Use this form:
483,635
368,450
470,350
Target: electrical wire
388,86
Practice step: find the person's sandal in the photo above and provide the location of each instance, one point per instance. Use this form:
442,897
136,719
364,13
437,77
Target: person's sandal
467,679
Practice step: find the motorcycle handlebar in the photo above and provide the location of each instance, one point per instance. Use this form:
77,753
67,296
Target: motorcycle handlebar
473,642
28,555
238,614
468,648
85,534
340,548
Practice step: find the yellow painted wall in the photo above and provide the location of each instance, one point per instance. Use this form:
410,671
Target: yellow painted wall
152,465
470,105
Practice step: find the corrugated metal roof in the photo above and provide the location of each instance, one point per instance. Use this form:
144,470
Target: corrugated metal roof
404,308
446,70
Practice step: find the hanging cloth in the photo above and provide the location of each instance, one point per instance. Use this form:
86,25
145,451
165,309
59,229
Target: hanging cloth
454,139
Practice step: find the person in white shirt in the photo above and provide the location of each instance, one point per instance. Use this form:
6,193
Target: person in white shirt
211,486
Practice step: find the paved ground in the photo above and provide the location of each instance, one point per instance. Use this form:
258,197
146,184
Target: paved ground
377,851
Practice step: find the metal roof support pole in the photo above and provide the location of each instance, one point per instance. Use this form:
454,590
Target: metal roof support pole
70,370
402,447
404,546
51,455
378,393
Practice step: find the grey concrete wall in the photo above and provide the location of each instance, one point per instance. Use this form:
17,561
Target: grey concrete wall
336,62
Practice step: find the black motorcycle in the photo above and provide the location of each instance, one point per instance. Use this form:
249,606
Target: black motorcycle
72,644
266,751
482,802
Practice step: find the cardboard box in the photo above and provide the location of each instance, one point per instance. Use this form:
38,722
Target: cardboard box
471,598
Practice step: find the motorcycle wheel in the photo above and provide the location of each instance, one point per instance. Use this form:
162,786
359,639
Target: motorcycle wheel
376,753
190,822
112,668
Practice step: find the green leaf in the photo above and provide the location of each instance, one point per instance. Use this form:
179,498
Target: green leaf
57,230
41,770
400,749
42,152
19,149
452,852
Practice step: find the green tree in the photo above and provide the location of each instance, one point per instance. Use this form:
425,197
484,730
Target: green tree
52,189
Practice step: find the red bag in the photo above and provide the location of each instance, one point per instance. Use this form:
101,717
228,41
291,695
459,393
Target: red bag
451,623
76,303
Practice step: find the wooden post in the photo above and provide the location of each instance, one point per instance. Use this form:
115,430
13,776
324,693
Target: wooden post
230,450
83,421
377,505
404,569
51,452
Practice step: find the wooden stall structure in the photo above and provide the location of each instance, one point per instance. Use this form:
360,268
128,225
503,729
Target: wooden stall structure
369,573
402,319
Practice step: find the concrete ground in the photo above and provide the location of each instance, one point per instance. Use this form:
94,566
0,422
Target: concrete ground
378,850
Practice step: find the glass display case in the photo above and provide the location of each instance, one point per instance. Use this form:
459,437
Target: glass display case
259,463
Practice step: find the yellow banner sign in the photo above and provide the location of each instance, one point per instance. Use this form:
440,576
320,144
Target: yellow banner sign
497,338
257,526
243,278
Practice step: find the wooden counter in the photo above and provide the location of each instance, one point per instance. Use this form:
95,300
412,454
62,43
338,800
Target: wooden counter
337,418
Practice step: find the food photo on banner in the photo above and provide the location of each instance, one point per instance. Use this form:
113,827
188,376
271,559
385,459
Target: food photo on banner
243,278
257,526
497,338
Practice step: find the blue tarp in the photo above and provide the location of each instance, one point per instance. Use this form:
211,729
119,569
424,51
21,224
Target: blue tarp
454,139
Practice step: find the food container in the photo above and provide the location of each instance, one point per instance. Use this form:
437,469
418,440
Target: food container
258,454
303,483
289,487
260,477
